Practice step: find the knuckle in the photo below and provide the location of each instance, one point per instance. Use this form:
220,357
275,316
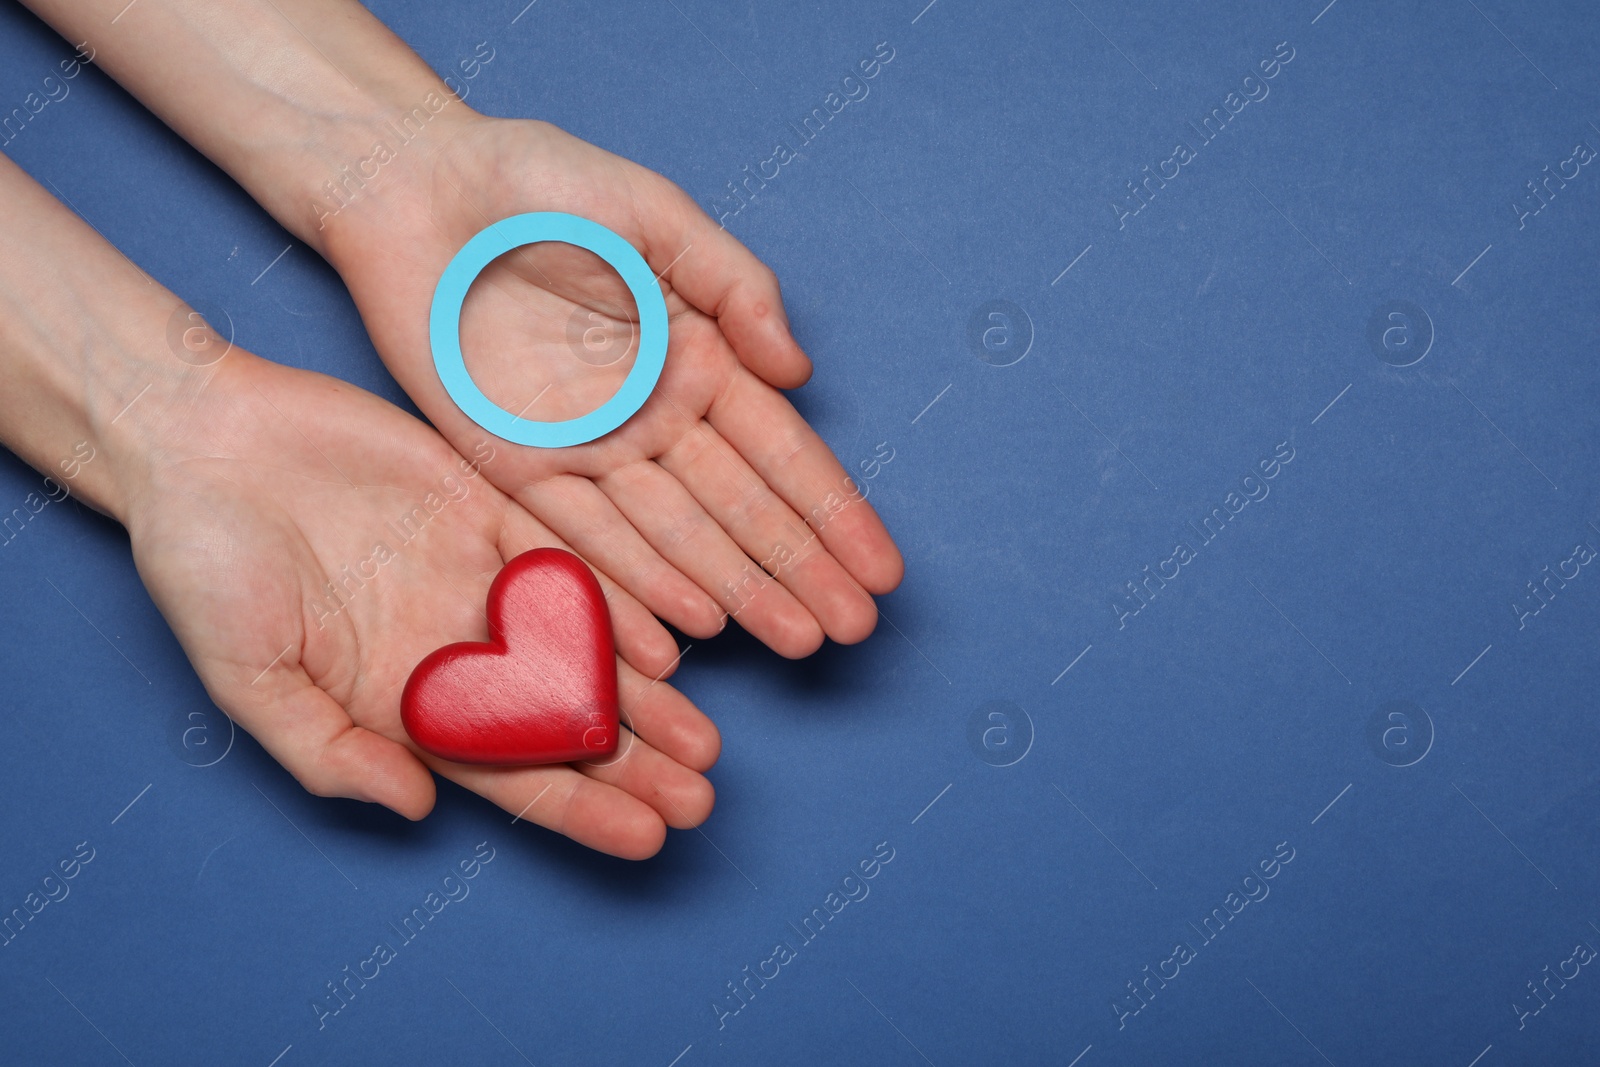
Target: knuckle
751,502
682,530
791,446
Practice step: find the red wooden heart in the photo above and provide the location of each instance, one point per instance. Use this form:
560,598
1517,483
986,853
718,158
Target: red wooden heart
543,690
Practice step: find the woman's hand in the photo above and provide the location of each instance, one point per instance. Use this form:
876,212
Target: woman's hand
309,543
717,498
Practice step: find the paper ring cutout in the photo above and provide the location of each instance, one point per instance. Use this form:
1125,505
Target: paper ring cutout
495,240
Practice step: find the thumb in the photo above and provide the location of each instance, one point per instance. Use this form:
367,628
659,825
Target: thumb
313,737
714,271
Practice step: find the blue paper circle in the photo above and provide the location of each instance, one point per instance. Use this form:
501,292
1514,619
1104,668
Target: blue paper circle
495,240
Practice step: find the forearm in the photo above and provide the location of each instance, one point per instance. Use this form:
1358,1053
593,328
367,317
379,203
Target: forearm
83,349
290,97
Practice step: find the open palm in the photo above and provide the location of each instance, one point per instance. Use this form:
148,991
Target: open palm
310,543
716,499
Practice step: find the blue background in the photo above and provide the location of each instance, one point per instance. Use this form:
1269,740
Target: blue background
1184,744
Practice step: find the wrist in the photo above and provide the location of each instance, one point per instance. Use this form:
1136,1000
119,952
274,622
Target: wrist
293,98
170,375
370,174
92,397
344,161
70,311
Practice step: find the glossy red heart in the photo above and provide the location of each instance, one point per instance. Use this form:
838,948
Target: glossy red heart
543,690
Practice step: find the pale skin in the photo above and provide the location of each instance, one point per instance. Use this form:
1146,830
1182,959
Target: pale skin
678,512
715,477
246,487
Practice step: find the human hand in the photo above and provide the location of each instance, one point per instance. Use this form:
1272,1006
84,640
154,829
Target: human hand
716,478
309,543
716,499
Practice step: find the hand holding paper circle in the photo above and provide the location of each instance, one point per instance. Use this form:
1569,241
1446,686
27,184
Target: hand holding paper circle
495,240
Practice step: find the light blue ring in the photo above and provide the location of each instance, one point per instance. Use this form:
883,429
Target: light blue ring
495,240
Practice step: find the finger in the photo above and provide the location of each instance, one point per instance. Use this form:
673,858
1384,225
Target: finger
682,797
641,639
667,720
769,531
786,452
689,539
587,519
711,269
559,798
313,737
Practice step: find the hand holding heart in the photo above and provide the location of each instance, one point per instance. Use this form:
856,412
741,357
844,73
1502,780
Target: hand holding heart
272,481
